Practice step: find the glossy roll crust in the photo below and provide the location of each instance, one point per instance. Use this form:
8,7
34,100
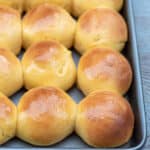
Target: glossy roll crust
100,27
104,70
16,4
80,6
66,4
10,29
11,75
48,22
45,116
48,63
8,119
104,119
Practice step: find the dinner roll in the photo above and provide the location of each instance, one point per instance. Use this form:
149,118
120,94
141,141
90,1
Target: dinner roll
10,29
104,69
11,76
48,22
101,27
46,115
8,119
80,6
66,4
104,119
16,4
48,63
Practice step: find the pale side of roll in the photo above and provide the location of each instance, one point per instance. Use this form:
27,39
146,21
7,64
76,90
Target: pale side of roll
80,6
16,4
10,29
11,74
8,119
66,4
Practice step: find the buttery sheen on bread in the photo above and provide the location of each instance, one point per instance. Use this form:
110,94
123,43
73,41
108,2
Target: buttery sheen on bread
104,119
46,115
100,27
104,70
66,4
8,119
10,29
11,75
48,22
80,6
16,4
48,63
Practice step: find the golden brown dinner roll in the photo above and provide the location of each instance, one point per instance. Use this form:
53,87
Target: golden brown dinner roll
48,22
11,76
66,4
46,115
80,6
10,29
8,119
48,63
104,69
100,27
104,119
16,4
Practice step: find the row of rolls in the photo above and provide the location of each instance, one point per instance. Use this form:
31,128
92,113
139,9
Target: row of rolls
46,114
75,7
48,63
96,27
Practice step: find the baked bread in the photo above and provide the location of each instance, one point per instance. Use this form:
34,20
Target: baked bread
104,119
80,6
46,115
100,27
8,119
11,75
48,63
104,70
10,29
66,4
16,4
48,22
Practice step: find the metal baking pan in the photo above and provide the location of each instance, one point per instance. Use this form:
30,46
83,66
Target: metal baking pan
135,97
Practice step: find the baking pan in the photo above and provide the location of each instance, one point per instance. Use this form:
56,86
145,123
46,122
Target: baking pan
135,97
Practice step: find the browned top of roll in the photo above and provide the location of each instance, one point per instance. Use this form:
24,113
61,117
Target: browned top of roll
107,64
44,50
40,100
107,119
44,15
47,110
105,21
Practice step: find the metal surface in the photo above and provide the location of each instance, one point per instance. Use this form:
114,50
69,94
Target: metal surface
135,96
